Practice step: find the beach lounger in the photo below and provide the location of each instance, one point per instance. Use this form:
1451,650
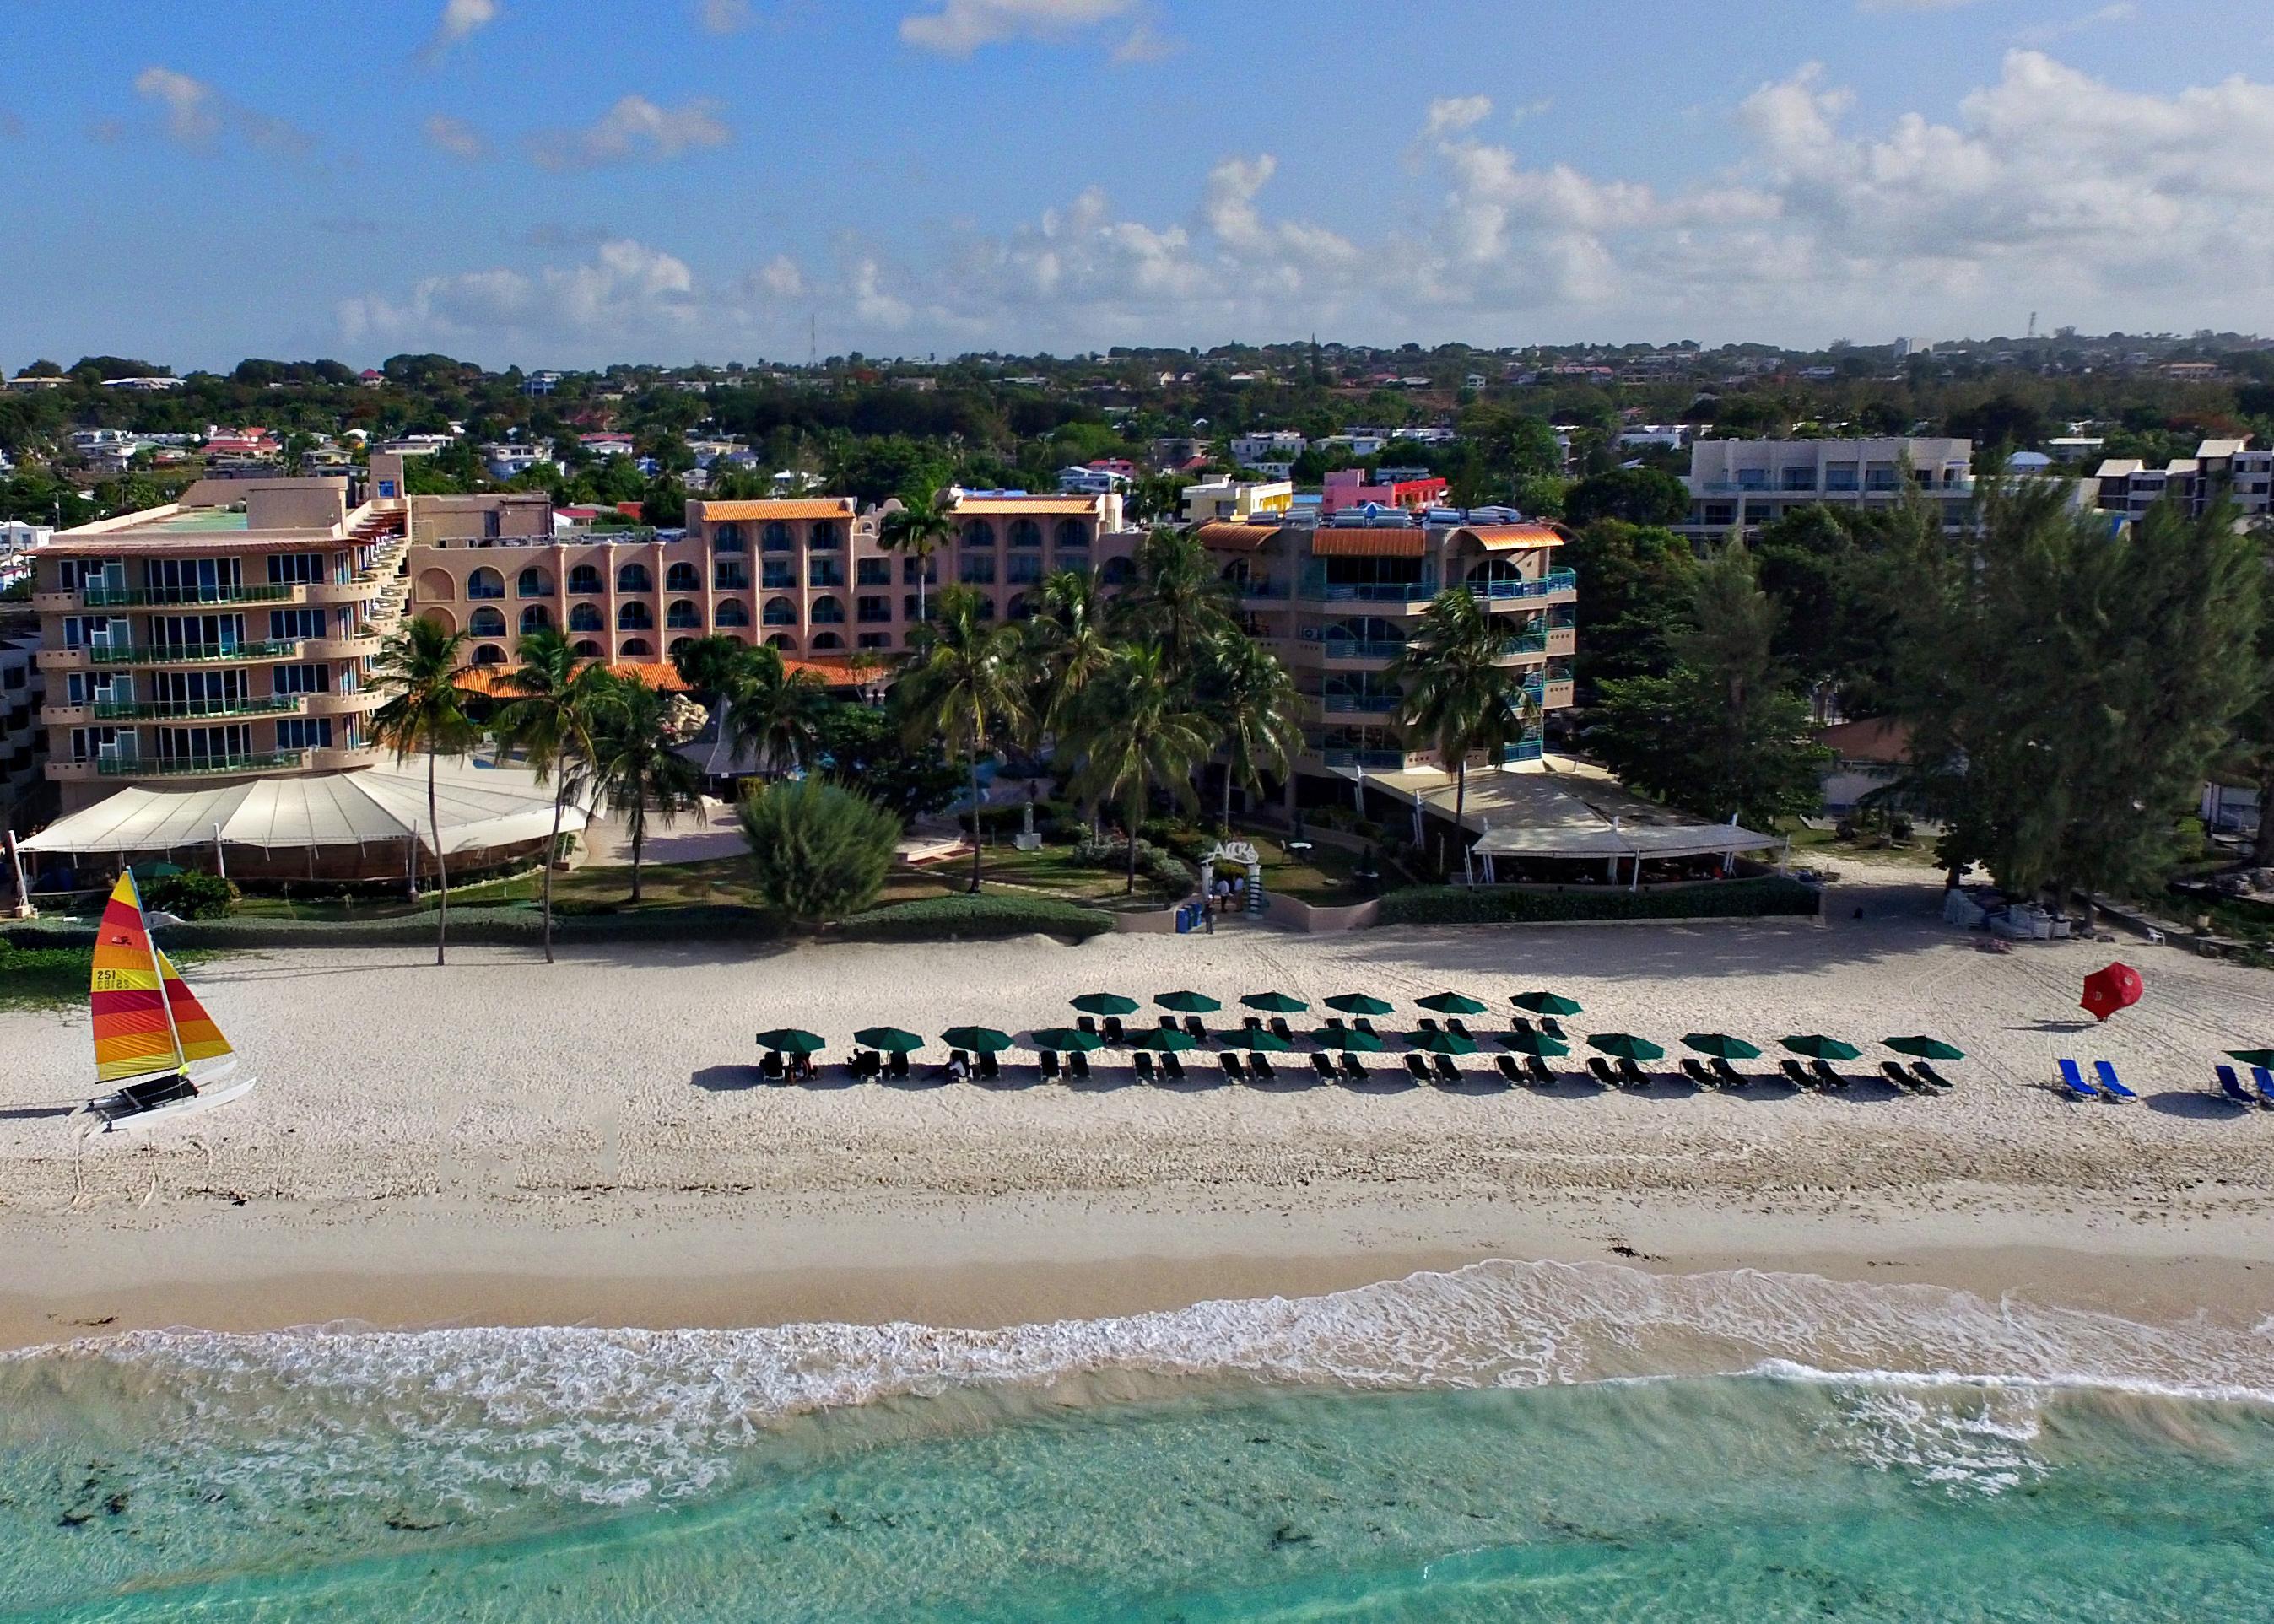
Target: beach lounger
1049,1062
1418,1067
1508,1068
1253,1023
1367,1027
1229,1061
1539,1072
1259,1069
1632,1076
2262,1080
1600,1069
1447,1071
990,1067
1458,1029
1113,1032
1893,1071
2109,1084
1194,1030
770,1067
1144,1065
1333,1023
1086,1024
1352,1067
1173,1066
959,1063
1168,1023
1078,1064
1548,1025
1822,1072
1727,1075
1694,1069
1523,1024
1280,1028
2231,1086
1928,1075
2074,1081
1796,1073
1428,1027
858,1065
899,1066
1323,1066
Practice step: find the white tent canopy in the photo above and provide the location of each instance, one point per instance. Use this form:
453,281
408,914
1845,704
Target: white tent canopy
1542,814
479,808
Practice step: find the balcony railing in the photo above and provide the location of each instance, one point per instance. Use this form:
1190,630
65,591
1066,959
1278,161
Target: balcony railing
181,766
1553,580
130,598
190,653
1393,760
1318,588
1526,750
1383,704
187,710
1360,648
1526,643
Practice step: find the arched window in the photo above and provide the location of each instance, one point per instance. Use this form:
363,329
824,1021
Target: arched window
584,581
1022,607
734,612
634,618
780,612
533,582
824,641
979,533
683,615
635,648
784,642
536,618
1025,533
1071,533
677,644
487,622
828,610
585,648
1495,577
682,578
827,537
635,578
1116,572
776,537
986,605
587,617
727,539
489,654
486,582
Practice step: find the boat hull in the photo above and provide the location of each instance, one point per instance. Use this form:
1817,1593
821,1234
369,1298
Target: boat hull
217,1083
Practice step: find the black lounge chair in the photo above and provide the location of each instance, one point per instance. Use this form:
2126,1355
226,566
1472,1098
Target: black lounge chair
1078,1064
1928,1075
1194,1030
1893,1071
1354,1068
1523,1024
1428,1027
1168,1023
1457,1028
1144,1065
1823,1074
1113,1032
898,1065
1508,1068
1259,1069
1418,1067
1796,1073
1539,1072
1727,1075
1323,1066
1548,1024
770,1067
1447,1071
1632,1076
1333,1023
1084,1023
1232,1069
1253,1023
1173,1066
990,1067
1694,1069
1049,1062
959,1064
1365,1025
1280,1029
858,1064
1600,1069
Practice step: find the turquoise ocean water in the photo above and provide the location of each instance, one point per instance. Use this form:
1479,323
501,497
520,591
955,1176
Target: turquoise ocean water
1510,1441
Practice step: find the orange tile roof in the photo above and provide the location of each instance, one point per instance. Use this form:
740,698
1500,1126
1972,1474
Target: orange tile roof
794,508
489,681
1070,505
1500,537
1379,541
1875,739
1231,536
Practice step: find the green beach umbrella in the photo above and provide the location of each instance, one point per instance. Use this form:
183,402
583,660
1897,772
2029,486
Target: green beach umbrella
1274,1004
1451,1004
1720,1046
1816,1046
1257,1038
1359,1003
1365,1042
1166,1037
1925,1049
1545,1004
789,1040
1625,1046
2252,1056
892,1040
156,870
1445,1043
985,1039
1189,1003
1535,1043
1105,1004
1067,1038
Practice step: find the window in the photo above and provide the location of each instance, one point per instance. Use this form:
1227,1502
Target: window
634,618
492,524
489,654
1025,570
733,614
584,581
308,732
587,617
290,625
976,570
784,642
533,582
1073,533
635,578
824,572
727,539
872,610
1073,560
301,680
777,575
636,648
824,642
1025,533
1022,607
872,572
295,569
780,612
186,581
536,618
487,622
828,611
875,640
486,582
586,649
912,570
1839,477
827,537
777,539
682,578
683,616
730,577
1799,479
979,533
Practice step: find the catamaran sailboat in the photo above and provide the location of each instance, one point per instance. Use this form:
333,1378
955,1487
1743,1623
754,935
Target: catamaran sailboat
151,1037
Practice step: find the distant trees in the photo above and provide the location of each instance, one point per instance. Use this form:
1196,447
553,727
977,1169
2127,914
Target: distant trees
1634,495
1635,585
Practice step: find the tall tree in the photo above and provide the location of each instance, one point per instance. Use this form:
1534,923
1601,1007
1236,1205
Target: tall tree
710,665
917,529
1457,693
1252,701
420,664
1175,601
1067,646
553,717
1139,733
1635,583
774,715
636,766
967,687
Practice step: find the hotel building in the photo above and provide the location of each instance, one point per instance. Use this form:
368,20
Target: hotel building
1750,482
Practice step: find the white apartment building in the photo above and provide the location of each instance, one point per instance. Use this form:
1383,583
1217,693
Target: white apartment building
2220,470
1750,483
17,538
1276,445
1236,499
510,460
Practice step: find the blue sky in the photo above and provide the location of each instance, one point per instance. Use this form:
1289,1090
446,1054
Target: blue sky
550,183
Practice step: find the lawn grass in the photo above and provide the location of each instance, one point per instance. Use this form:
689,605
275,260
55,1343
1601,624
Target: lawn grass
1824,845
56,978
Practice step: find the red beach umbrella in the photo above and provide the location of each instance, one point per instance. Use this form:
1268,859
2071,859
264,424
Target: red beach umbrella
2106,991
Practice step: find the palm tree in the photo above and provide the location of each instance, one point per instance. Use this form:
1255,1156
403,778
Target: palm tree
1253,702
420,663
965,687
1175,601
552,718
1069,646
1457,693
636,767
1139,731
773,714
918,529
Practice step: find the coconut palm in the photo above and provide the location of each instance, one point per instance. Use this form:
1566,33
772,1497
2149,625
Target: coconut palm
554,711
917,529
1138,730
1067,645
1457,693
420,665
636,766
966,689
1250,699
1175,600
773,714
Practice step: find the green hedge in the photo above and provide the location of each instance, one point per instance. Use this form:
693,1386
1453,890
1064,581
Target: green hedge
1766,897
516,924
934,919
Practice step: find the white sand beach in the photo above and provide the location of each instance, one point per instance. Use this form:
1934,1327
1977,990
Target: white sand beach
499,1141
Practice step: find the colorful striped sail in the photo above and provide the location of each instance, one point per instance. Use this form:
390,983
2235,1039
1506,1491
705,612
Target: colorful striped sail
193,1028
133,1036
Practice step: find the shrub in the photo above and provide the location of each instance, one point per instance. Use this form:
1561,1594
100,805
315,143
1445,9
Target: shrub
934,919
192,894
1766,897
818,851
1162,869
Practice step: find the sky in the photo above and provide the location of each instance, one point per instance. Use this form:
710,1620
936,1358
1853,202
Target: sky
570,182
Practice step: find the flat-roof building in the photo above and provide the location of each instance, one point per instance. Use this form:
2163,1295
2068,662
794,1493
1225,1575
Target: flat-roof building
1750,482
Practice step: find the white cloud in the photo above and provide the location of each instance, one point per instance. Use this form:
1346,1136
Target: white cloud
626,292
635,127
456,137
723,16
461,19
1451,115
961,26
781,277
201,117
2047,34
1147,43
1911,5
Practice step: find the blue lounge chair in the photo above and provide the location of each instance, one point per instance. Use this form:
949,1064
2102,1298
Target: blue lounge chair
2074,1081
2109,1085
2231,1086
2262,1080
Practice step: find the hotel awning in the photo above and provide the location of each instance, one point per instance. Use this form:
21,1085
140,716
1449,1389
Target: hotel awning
1370,541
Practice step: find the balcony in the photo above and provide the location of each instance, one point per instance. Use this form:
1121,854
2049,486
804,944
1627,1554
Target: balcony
139,597
1564,640
184,711
1355,649
1371,760
193,653
1317,588
1357,704
1554,582
200,766
1524,645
